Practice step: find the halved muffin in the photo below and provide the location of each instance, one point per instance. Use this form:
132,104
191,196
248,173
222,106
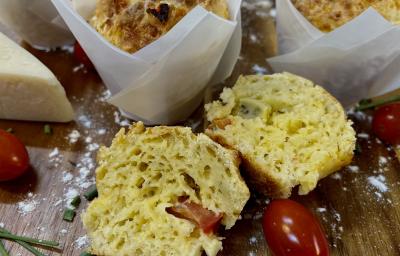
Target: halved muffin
288,131
163,191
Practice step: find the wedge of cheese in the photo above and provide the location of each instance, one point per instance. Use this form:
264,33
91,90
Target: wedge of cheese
28,89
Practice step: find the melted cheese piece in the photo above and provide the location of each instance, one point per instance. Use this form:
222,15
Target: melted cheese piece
28,89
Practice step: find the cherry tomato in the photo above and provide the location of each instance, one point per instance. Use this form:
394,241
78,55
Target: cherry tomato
81,56
14,159
386,123
292,230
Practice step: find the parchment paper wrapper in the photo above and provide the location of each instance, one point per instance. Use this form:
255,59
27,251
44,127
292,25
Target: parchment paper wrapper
359,60
35,21
163,82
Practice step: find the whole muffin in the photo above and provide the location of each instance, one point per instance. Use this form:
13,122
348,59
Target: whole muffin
328,15
133,24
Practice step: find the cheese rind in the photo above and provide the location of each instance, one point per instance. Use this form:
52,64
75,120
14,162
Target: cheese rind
28,89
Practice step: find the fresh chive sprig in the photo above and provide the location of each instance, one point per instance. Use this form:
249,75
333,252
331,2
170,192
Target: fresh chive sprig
27,246
3,251
368,103
30,240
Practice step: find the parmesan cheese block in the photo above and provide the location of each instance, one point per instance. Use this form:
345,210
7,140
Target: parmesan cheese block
288,131
146,172
28,89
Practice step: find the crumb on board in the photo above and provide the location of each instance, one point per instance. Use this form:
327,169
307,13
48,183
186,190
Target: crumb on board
81,242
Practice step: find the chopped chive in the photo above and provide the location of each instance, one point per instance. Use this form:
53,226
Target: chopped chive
367,104
10,130
27,246
365,101
69,215
86,254
76,201
47,129
30,240
3,251
91,194
358,149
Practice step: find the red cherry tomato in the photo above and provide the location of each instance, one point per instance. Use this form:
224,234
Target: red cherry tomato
386,123
81,56
14,159
292,230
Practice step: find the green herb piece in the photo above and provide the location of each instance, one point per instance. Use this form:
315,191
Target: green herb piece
91,194
10,130
69,215
358,149
30,240
3,251
76,201
367,104
47,129
28,247
86,254
24,244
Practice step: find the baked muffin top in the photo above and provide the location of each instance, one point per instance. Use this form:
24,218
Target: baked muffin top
328,15
133,24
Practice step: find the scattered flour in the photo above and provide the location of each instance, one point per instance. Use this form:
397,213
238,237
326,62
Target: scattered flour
253,240
118,119
101,131
73,136
67,176
92,146
105,96
81,242
85,121
378,182
55,158
259,70
353,168
382,160
336,176
27,206
363,135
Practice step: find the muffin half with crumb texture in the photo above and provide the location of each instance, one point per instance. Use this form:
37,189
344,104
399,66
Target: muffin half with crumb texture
163,191
288,131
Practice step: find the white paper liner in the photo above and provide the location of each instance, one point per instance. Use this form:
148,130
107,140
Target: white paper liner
357,60
163,82
35,21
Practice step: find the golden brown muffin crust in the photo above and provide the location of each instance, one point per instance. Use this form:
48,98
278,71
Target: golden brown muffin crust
328,15
133,24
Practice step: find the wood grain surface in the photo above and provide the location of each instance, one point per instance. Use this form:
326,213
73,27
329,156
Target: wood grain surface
359,216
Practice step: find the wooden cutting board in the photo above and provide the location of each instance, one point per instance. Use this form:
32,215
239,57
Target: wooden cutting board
358,207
